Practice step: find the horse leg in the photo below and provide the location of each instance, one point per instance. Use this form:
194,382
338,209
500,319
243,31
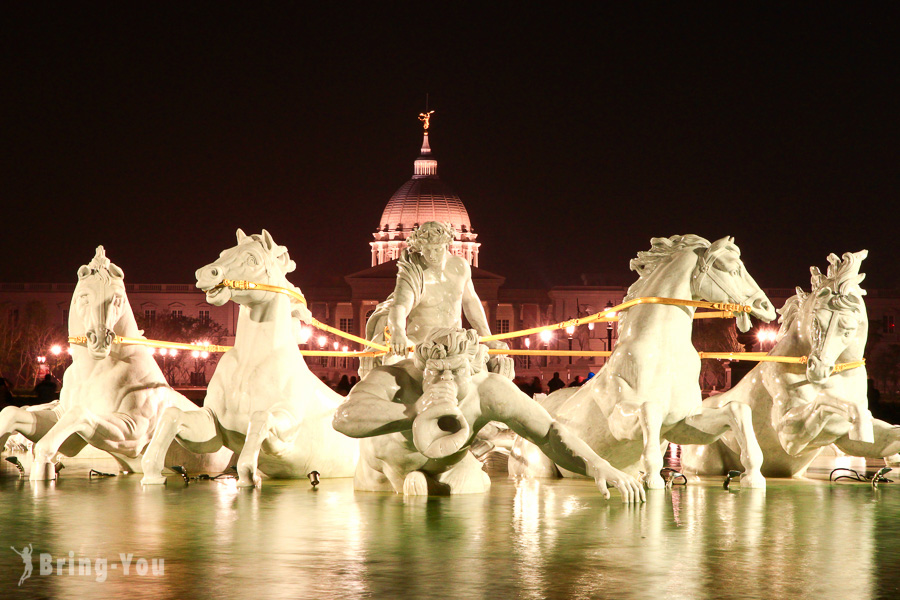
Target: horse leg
32,424
738,417
651,418
196,430
77,421
273,427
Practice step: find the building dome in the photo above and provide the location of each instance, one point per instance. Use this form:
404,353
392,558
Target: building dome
421,199
424,199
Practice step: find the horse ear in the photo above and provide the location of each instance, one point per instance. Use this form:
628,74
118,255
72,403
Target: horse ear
289,266
240,235
115,271
268,240
83,271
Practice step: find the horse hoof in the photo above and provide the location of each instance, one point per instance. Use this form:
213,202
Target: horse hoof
249,482
42,471
755,481
415,484
153,480
655,483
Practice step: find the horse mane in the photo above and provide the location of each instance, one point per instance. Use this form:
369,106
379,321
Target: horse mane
661,251
842,279
100,266
278,256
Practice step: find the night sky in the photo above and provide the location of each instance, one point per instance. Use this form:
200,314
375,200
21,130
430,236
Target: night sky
572,135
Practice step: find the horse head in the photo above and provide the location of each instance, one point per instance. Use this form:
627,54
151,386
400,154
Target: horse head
720,276
832,317
256,258
99,302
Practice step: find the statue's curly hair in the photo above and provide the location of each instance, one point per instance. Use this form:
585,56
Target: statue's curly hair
448,342
432,232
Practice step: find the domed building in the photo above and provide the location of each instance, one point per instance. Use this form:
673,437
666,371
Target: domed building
421,199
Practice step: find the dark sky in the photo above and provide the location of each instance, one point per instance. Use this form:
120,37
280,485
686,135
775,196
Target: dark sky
573,135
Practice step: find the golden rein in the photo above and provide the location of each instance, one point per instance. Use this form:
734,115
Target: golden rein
723,310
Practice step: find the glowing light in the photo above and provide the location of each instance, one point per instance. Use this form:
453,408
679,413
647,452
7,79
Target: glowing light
528,342
195,354
546,336
163,351
173,352
55,349
591,326
69,350
305,334
610,315
204,354
152,351
766,335
335,345
344,348
322,340
570,329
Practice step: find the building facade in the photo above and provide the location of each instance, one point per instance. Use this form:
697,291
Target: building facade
347,306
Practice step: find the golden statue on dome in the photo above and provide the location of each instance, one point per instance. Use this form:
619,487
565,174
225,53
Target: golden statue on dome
425,117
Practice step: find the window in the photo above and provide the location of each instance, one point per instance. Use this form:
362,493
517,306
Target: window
502,326
178,313
150,315
204,317
887,322
13,317
346,325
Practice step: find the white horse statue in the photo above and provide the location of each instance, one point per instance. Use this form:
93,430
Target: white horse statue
263,402
648,391
799,409
112,395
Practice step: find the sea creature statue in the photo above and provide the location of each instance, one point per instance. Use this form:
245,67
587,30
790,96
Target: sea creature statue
112,396
420,416
648,391
798,409
262,402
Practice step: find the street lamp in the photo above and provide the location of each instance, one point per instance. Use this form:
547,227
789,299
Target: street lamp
546,336
766,336
609,326
570,330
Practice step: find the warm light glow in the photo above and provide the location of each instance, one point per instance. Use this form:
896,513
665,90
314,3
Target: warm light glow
546,336
570,329
173,352
195,354
766,335
591,326
336,345
42,359
344,348
163,351
305,334
322,340
610,315
69,350
528,342
204,354
55,349
152,350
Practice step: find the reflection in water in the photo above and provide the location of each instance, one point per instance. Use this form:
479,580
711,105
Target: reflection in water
526,539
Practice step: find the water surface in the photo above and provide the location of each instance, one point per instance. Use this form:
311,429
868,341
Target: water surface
533,539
